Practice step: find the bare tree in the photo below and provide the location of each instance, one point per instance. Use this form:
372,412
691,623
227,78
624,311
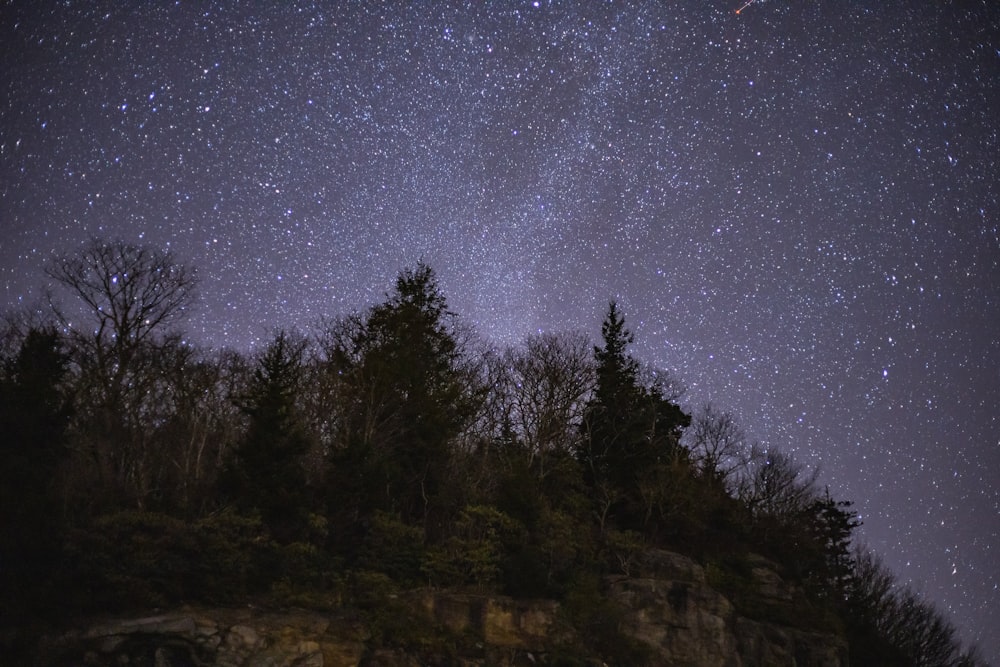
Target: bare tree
130,292
127,298
543,387
717,443
205,423
775,485
903,618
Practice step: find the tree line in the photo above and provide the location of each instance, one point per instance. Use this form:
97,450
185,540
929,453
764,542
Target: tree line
389,448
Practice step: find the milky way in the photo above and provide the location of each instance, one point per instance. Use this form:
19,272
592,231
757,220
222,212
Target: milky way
796,206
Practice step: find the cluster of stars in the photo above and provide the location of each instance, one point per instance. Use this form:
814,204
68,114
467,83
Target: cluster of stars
796,206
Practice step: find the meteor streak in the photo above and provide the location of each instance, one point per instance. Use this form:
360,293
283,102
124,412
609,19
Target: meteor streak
745,5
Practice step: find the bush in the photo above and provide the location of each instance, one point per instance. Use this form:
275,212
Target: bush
143,559
307,577
393,548
133,559
475,555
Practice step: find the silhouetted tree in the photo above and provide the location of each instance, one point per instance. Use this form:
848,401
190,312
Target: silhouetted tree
774,486
405,401
716,443
632,432
34,417
831,524
203,425
543,387
127,298
265,473
440,459
890,624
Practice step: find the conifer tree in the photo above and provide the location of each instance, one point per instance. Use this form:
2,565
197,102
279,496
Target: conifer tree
631,430
266,472
405,401
34,417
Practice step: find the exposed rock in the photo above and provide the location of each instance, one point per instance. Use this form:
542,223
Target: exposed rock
670,609
769,585
499,621
661,564
684,622
768,644
224,637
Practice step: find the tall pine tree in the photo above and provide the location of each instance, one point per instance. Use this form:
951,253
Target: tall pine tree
34,418
406,401
266,473
631,431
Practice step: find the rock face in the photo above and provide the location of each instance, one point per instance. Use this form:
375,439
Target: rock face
498,621
669,608
674,612
224,637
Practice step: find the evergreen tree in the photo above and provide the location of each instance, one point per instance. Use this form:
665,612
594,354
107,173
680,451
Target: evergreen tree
632,433
405,401
266,471
34,417
832,525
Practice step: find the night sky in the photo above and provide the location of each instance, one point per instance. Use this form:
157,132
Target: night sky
796,206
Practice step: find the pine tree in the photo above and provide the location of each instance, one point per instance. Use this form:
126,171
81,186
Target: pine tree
632,431
266,473
34,418
832,527
406,401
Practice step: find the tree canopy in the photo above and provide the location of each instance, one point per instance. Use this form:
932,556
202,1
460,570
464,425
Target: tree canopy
392,448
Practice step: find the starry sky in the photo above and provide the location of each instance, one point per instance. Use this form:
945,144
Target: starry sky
796,205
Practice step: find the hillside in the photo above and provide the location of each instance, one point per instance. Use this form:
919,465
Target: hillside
393,466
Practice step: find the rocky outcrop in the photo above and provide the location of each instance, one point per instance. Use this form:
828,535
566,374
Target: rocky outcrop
672,610
668,607
223,637
528,625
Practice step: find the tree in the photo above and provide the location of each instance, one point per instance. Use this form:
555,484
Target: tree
544,386
891,624
130,295
128,298
832,524
632,431
405,401
716,443
774,485
204,424
265,473
34,417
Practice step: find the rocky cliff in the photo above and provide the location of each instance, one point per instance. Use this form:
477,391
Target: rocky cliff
668,610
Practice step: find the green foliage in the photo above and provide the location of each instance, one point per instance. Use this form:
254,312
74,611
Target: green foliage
388,619
306,577
475,554
394,549
231,556
135,559
598,620
624,548
141,559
